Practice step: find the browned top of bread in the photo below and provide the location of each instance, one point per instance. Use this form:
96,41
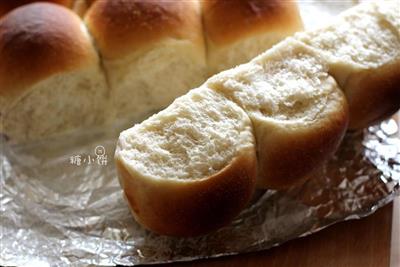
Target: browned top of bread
39,40
121,26
90,2
8,5
228,20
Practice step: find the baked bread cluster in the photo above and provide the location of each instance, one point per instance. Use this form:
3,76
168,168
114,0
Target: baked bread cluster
78,63
269,123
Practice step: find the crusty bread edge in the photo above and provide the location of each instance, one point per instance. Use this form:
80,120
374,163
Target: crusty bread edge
373,95
190,207
304,153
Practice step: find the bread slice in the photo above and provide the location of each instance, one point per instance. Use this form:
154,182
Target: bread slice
190,168
298,112
50,77
238,30
152,51
362,48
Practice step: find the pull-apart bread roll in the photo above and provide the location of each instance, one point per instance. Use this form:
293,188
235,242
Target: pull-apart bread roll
238,30
50,79
153,51
362,48
190,168
298,112
8,5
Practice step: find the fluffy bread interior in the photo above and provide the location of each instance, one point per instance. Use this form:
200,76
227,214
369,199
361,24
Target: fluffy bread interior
362,50
360,38
283,84
191,168
390,11
297,110
194,138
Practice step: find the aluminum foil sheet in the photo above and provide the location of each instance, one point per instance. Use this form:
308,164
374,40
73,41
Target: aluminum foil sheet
58,211
61,204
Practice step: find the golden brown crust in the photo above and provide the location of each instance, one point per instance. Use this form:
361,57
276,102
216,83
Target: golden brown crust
373,95
122,26
226,21
80,7
303,151
37,41
190,208
8,5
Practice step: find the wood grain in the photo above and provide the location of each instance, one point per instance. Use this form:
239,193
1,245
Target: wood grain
356,243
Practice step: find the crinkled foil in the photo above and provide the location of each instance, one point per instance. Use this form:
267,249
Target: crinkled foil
54,212
61,203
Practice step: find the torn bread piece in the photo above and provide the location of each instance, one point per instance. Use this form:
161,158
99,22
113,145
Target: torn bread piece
362,48
299,114
191,168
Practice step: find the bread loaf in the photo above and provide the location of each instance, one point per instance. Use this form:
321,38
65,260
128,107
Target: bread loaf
166,164
362,49
50,77
8,5
191,168
153,51
145,43
298,112
149,52
237,30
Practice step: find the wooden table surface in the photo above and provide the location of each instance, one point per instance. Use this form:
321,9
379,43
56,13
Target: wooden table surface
356,243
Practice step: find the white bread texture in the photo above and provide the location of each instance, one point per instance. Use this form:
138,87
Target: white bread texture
299,114
237,30
362,50
153,51
50,78
191,168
